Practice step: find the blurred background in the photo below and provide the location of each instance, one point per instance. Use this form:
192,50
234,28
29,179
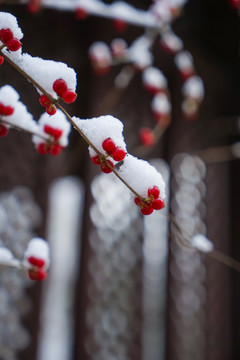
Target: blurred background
122,287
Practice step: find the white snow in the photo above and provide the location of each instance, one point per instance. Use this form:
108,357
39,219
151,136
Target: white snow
139,52
184,60
154,77
100,128
160,104
100,53
202,243
45,72
56,121
7,20
6,256
20,117
193,88
38,248
141,176
172,41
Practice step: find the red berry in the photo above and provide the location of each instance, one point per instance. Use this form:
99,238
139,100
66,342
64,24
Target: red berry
51,109
7,110
56,133
105,168
96,160
44,100
60,86
34,6
147,137
3,130
108,145
154,191
235,4
42,148
137,201
13,44
55,149
158,204
6,35
147,210
38,275
81,13
36,261
119,25
118,154
69,96
1,60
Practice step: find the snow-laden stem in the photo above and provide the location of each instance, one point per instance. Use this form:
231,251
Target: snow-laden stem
70,119
214,254
28,132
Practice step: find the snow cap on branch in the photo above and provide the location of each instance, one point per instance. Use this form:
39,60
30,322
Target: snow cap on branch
20,116
8,21
100,56
46,72
6,256
202,243
139,53
39,249
161,104
171,43
56,121
184,61
141,176
193,88
153,79
99,129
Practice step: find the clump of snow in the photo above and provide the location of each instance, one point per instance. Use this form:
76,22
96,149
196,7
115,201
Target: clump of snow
162,11
160,104
154,77
202,243
193,88
172,42
38,248
118,47
45,72
139,52
100,54
20,117
184,61
6,256
56,121
9,21
141,176
100,128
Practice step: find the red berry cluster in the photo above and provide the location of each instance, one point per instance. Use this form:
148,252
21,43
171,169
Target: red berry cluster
103,162
37,272
52,148
7,38
62,90
153,202
116,152
46,102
